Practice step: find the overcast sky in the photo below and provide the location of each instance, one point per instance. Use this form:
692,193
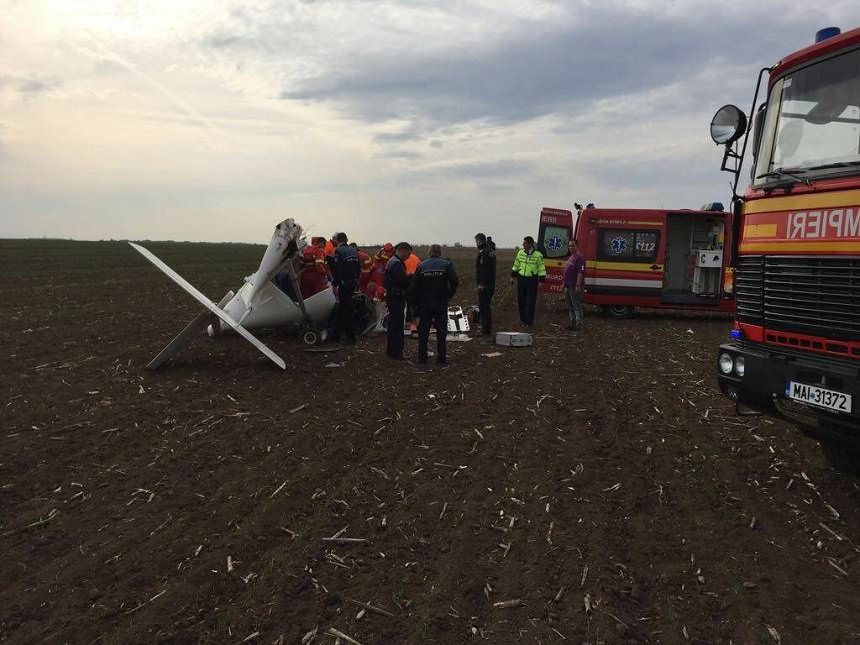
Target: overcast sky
419,120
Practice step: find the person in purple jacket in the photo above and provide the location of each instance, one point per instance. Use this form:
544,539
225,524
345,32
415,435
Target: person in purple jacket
573,278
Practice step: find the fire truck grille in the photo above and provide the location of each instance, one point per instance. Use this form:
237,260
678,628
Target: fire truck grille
748,289
811,295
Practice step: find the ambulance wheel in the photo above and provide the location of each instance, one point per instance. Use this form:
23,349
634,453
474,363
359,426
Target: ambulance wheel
310,337
619,311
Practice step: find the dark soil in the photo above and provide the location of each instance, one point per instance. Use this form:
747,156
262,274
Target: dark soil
598,470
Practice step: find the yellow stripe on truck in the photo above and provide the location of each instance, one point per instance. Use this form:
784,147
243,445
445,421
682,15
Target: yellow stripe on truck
790,245
760,230
803,202
622,266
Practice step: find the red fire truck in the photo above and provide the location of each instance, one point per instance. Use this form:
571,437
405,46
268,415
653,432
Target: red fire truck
795,349
643,258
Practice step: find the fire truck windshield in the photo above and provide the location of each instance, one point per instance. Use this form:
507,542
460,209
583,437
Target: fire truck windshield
812,124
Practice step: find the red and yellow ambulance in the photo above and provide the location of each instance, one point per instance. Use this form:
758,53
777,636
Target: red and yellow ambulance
795,349
664,259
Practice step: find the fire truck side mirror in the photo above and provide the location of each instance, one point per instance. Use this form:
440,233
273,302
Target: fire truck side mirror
728,125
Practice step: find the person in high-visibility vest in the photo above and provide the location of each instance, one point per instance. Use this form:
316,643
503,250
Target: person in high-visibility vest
528,269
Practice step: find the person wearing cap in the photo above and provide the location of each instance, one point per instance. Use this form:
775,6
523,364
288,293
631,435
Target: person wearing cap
528,269
485,277
383,255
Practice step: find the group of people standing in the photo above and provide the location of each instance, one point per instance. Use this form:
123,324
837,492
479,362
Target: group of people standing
529,271
428,290
413,288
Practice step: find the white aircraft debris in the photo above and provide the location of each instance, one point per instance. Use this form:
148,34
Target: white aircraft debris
271,297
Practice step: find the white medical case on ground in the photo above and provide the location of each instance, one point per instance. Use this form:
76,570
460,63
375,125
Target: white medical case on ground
513,339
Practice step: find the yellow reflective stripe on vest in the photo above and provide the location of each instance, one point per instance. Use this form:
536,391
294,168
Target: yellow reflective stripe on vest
529,265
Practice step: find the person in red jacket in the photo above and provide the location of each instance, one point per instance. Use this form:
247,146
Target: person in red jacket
366,270
377,274
314,268
383,255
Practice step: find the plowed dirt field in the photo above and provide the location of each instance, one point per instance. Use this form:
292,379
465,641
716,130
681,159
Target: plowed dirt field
594,488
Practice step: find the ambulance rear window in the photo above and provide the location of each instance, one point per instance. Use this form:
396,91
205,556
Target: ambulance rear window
555,239
627,245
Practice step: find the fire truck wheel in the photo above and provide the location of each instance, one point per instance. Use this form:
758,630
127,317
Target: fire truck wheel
619,311
841,457
310,337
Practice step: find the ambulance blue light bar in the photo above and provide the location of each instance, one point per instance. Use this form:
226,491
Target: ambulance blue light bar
827,32
736,334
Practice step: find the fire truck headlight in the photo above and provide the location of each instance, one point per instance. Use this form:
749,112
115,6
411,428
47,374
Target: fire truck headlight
739,366
726,363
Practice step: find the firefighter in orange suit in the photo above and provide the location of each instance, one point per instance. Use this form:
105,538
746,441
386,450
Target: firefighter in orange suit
383,255
411,265
314,268
366,270
377,274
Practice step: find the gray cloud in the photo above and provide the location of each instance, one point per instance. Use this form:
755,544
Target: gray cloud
640,180
28,85
493,175
497,168
395,153
407,133
222,40
539,70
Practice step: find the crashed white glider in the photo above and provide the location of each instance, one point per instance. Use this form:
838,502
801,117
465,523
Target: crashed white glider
259,302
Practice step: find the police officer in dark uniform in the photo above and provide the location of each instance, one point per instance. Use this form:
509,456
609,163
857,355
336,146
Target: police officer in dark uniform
434,284
396,287
345,271
485,276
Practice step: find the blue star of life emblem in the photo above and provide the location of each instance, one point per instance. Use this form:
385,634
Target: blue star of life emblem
619,245
554,243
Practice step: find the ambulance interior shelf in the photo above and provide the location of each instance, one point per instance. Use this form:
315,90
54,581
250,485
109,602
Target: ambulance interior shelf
694,258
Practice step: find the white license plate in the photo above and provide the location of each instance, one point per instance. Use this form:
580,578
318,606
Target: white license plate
818,396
